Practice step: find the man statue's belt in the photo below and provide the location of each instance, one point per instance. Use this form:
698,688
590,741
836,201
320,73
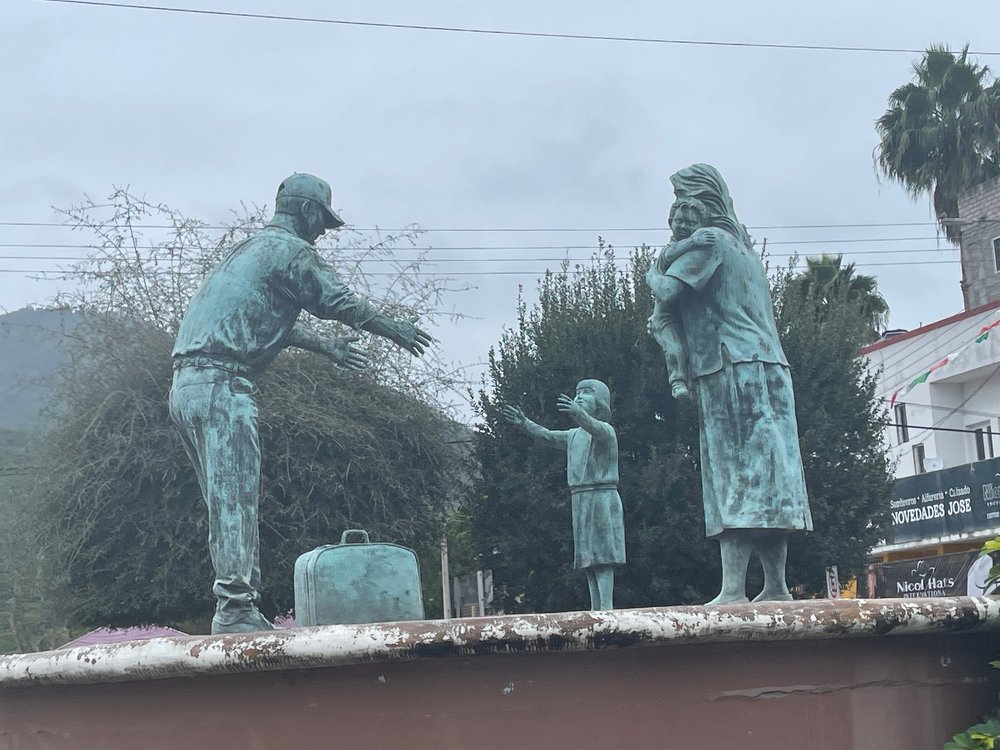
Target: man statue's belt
593,486
211,362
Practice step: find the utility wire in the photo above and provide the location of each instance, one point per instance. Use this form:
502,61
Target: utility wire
970,412
497,32
592,246
435,259
929,350
348,227
520,272
954,409
931,427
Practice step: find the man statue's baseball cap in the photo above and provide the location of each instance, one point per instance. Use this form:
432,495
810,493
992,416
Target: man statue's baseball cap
310,187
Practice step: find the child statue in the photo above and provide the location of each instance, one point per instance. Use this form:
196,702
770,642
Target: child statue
689,232
592,474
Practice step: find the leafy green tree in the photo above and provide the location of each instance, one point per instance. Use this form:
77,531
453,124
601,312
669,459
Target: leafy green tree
827,283
840,421
121,527
339,451
590,322
29,622
941,132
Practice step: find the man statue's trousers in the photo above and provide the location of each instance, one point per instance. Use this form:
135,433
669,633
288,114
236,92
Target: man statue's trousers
216,414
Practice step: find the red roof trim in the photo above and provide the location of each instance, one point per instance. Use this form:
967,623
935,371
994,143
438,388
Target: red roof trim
929,327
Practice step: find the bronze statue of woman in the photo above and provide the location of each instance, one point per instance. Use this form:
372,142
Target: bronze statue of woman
752,481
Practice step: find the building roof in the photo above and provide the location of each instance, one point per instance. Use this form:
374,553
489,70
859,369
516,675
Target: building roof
883,343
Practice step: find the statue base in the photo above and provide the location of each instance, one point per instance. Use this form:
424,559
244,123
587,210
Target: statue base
825,674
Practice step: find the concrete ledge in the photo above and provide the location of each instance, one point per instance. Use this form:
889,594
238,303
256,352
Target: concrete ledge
338,645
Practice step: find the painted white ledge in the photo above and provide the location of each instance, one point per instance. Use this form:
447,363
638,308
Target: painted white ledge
336,645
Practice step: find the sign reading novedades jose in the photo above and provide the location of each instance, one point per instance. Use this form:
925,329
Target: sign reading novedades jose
950,501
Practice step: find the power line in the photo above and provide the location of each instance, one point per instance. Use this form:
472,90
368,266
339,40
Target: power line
970,412
928,349
925,427
70,272
520,272
955,408
349,227
592,246
433,259
925,346
497,32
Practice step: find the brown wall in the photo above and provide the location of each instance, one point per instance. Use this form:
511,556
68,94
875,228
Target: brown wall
873,693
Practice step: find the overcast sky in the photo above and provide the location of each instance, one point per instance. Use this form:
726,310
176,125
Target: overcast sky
460,130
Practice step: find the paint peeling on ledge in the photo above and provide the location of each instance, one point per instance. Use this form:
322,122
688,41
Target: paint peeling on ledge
336,645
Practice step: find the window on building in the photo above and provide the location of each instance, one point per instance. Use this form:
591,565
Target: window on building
982,438
918,459
996,253
902,426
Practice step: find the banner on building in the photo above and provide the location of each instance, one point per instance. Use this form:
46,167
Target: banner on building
950,501
956,574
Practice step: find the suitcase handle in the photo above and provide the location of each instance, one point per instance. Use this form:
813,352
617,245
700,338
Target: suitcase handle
343,537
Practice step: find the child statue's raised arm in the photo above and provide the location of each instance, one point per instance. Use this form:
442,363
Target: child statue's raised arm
555,438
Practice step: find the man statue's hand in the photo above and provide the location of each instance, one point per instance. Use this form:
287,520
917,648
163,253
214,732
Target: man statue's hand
406,335
344,354
514,415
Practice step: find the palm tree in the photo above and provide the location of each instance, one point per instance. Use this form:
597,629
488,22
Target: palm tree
827,281
941,133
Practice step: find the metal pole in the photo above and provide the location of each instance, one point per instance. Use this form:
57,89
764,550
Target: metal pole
445,581
482,593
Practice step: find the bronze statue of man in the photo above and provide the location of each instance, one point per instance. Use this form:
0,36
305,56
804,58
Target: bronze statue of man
752,482
238,321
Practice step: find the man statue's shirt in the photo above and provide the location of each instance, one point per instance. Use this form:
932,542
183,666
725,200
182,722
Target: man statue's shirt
246,307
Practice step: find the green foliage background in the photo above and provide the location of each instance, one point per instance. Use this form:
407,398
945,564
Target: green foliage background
111,529
590,322
123,512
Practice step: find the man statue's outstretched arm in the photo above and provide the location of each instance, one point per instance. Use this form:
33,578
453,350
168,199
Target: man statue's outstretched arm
403,333
340,349
320,291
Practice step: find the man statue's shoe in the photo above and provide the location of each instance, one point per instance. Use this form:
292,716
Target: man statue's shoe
250,621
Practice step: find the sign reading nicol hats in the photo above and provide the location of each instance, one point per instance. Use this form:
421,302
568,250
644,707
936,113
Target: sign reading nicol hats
956,574
958,500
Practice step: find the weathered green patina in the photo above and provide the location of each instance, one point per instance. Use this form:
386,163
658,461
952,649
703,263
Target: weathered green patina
357,582
712,299
243,314
592,475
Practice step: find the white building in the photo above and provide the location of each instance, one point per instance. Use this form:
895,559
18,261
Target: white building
942,385
942,382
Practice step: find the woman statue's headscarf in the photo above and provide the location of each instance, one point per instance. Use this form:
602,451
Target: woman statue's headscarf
704,183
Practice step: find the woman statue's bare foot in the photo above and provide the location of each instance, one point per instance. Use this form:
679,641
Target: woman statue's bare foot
773,596
679,389
725,598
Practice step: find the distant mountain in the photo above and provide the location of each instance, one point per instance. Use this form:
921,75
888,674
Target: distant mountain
32,348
